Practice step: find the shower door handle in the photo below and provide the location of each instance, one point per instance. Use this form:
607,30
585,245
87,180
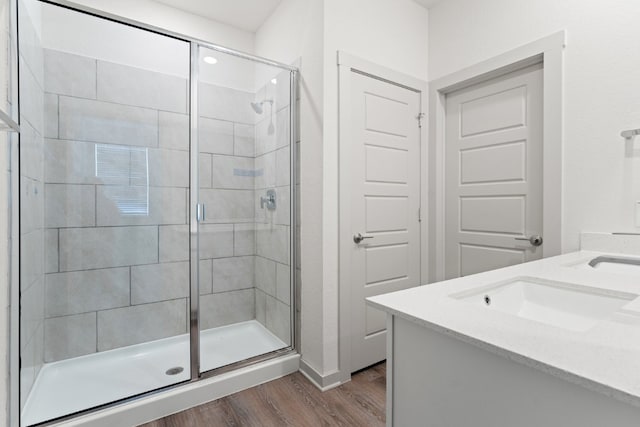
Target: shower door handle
200,212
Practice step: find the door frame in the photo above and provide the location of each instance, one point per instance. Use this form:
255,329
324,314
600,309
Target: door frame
347,65
548,51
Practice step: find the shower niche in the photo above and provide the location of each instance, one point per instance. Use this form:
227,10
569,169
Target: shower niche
156,220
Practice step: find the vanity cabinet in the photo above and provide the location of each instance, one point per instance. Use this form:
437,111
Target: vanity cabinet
438,380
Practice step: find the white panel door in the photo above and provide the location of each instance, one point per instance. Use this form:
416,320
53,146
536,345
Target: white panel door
493,173
385,202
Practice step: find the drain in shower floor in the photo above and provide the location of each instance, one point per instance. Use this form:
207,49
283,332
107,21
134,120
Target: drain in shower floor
174,371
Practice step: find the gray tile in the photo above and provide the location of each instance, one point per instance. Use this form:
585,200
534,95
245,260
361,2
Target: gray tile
69,74
89,248
215,136
265,140
69,336
244,142
134,86
152,322
278,316
140,205
261,307
31,98
51,251
159,282
96,121
265,166
174,243
31,205
223,103
226,308
31,258
283,170
230,274
272,242
283,283
216,240
205,170
173,130
265,275
84,291
282,214
72,162
70,205
228,206
232,172
206,278
31,309
283,129
50,115
244,242
31,152
168,168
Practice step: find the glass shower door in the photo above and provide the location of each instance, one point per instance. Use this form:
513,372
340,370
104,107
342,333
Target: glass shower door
244,191
104,236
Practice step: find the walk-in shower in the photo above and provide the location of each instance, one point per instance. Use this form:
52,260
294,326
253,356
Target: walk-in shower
148,254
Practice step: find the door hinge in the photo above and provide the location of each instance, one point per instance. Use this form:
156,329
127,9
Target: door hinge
419,117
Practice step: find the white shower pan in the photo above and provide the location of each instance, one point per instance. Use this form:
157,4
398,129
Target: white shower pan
73,385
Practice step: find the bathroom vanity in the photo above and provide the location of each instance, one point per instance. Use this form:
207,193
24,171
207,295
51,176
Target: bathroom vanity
554,342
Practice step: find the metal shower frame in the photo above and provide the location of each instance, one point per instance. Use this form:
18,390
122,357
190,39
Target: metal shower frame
194,217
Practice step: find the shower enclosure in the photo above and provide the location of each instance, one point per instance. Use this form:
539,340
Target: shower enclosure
156,219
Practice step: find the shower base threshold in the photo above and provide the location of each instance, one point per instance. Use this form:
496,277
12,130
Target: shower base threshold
73,385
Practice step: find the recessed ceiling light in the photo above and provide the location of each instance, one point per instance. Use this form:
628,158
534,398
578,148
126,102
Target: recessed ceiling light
274,81
210,60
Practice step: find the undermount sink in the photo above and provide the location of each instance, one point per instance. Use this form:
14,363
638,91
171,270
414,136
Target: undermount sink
563,305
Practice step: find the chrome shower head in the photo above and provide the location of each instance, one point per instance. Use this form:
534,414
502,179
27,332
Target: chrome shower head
257,107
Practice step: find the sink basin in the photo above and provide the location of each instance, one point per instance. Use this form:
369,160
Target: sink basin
563,305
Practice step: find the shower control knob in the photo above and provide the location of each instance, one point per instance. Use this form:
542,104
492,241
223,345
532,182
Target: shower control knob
535,240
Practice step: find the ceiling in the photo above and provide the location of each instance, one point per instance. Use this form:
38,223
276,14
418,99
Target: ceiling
245,14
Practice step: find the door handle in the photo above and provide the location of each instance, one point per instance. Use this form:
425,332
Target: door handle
358,238
535,240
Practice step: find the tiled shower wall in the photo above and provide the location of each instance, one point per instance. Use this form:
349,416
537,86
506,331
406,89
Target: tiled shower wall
31,202
106,271
272,271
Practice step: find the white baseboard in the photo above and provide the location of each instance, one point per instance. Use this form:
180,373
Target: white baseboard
323,382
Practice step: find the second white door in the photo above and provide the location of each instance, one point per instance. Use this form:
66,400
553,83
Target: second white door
385,202
493,173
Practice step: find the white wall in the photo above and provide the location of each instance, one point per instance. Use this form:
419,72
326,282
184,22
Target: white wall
391,33
602,91
295,32
166,17
93,37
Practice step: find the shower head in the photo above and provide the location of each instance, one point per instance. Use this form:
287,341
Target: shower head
257,107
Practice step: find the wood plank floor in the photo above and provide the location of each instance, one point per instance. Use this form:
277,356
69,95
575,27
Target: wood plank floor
294,401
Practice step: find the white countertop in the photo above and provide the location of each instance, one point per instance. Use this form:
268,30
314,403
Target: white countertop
605,358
